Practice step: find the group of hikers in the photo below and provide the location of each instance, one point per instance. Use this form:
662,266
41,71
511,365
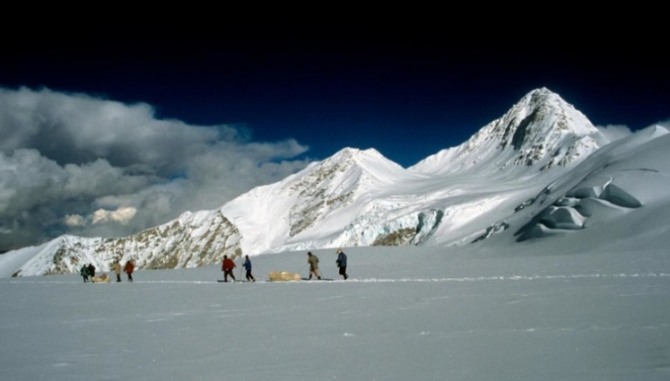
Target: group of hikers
228,265
313,261
87,271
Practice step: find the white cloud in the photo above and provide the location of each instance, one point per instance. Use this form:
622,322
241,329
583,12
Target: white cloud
66,155
74,220
121,215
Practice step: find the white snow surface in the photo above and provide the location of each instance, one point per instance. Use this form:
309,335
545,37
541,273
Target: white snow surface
545,310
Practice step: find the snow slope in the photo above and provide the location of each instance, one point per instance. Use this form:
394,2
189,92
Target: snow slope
543,310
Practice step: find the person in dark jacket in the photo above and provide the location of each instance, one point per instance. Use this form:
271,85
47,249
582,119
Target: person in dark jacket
227,267
247,266
84,272
91,270
342,263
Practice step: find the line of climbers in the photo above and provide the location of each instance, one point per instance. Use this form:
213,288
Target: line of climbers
228,266
87,271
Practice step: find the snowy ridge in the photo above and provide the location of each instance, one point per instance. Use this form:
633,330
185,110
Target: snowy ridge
542,171
267,216
192,240
609,187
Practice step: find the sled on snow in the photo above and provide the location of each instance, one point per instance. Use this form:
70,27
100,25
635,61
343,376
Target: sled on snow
283,276
104,278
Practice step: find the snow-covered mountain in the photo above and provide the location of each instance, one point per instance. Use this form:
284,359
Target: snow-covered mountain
323,198
192,240
540,170
540,132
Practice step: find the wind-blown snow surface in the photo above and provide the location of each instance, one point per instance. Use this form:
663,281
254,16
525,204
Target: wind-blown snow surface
535,312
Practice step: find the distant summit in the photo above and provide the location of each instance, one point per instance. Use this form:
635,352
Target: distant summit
305,199
539,132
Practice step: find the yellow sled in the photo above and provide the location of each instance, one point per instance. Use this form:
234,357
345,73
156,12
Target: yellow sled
283,276
100,279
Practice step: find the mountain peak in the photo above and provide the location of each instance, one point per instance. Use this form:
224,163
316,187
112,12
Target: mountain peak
357,154
540,131
303,199
542,94
553,112
368,160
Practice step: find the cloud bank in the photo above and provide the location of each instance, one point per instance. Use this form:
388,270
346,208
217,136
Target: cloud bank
73,163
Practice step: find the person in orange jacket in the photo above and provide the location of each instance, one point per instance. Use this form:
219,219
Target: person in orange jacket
227,268
128,269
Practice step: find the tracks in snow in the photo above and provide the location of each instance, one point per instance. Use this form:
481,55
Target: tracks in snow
510,278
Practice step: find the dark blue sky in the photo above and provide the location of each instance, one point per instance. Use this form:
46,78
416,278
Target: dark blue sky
407,96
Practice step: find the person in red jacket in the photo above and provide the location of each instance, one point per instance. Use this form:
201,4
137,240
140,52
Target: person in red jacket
227,268
128,269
